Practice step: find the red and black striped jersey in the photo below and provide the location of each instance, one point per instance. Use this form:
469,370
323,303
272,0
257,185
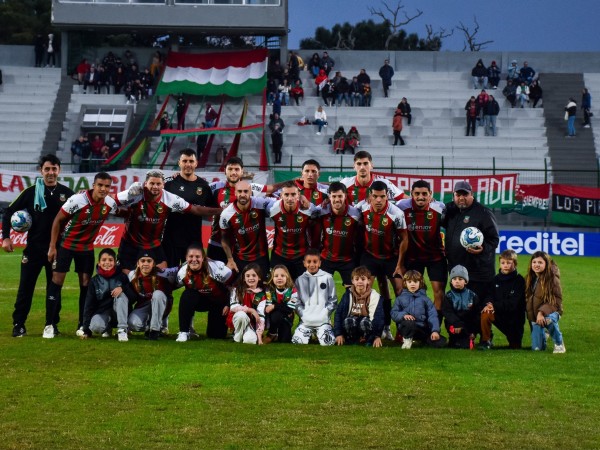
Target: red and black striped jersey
381,230
85,219
339,233
144,286
358,193
425,241
291,238
246,229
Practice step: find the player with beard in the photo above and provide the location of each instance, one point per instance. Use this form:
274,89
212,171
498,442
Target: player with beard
148,209
77,224
339,228
385,243
424,217
43,201
243,230
183,229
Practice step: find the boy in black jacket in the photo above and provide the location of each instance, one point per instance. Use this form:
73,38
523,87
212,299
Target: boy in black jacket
461,310
507,309
107,297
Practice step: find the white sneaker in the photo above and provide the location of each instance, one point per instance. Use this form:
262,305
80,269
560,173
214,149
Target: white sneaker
78,333
587,126
182,336
387,334
407,344
559,348
106,334
164,331
48,332
122,335
318,133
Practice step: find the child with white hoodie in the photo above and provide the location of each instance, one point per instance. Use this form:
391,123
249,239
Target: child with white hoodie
317,299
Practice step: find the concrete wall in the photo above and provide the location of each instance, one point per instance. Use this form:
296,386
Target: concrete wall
18,55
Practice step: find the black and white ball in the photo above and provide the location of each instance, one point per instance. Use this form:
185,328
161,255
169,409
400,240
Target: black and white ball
471,237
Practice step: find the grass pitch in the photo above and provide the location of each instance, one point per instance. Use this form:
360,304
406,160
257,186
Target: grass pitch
99,394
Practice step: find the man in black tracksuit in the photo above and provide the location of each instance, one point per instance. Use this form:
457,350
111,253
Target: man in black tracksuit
463,212
35,255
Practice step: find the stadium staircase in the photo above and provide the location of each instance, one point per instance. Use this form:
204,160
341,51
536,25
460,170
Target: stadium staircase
57,118
592,82
567,155
27,98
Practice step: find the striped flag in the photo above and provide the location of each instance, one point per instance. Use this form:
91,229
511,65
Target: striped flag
231,73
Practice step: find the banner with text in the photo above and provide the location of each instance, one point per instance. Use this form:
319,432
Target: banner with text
12,183
574,205
531,200
324,177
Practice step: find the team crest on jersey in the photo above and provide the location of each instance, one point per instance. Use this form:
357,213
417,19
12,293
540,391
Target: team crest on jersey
237,220
199,191
24,260
384,221
429,215
159,209
466,219
299,219
103,209
181,188
253,214
62,198
347,221
315,195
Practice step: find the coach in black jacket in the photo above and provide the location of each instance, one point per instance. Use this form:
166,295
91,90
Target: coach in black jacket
465,212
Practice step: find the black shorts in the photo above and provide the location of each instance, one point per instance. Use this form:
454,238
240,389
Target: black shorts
378,266
216,253
436,270
343,268
84,261
128,255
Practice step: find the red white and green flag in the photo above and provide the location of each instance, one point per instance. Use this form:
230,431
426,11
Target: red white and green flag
229,73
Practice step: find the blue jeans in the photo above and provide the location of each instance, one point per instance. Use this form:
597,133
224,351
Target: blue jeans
490,122
356,99
538,338
522,99
320,123
344,97
483,81
571,126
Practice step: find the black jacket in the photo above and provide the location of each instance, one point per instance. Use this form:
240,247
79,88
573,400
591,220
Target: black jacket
481,267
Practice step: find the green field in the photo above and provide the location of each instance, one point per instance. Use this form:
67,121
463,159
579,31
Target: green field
98,394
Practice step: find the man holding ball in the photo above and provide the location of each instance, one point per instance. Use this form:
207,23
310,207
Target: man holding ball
463,212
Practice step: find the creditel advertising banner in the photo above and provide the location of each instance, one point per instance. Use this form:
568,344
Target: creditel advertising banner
556,243
574,205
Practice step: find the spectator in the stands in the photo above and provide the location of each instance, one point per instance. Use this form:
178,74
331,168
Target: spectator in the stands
119,80
356,92
367,93
328,93
363,77
113,146
490,113
320,119
276,126
472,110
535,92
294,68
180,108
480,75
571,113
277,104
210,116
527,74
110,66
201,142
397,127
523,94
342,89
82,69
586,106
352,139
513,72
405,110
320,81
96,146
80,148
284,92
386,72
103,80
297,92
494,75
39,50
275,72
327,63
339,140
51,48
482,100
156,65
91,79
510,92
314,65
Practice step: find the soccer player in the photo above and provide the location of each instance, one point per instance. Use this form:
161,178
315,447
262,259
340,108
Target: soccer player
79,219
224,194
148,209
425,250
309,184
338,228
243,230
385,243
183,229
43,201
360,184
291,221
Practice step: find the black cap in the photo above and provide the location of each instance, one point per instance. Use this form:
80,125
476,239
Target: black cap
463,186
146,254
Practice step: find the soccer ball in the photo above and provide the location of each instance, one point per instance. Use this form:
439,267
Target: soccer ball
21,221
471,237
